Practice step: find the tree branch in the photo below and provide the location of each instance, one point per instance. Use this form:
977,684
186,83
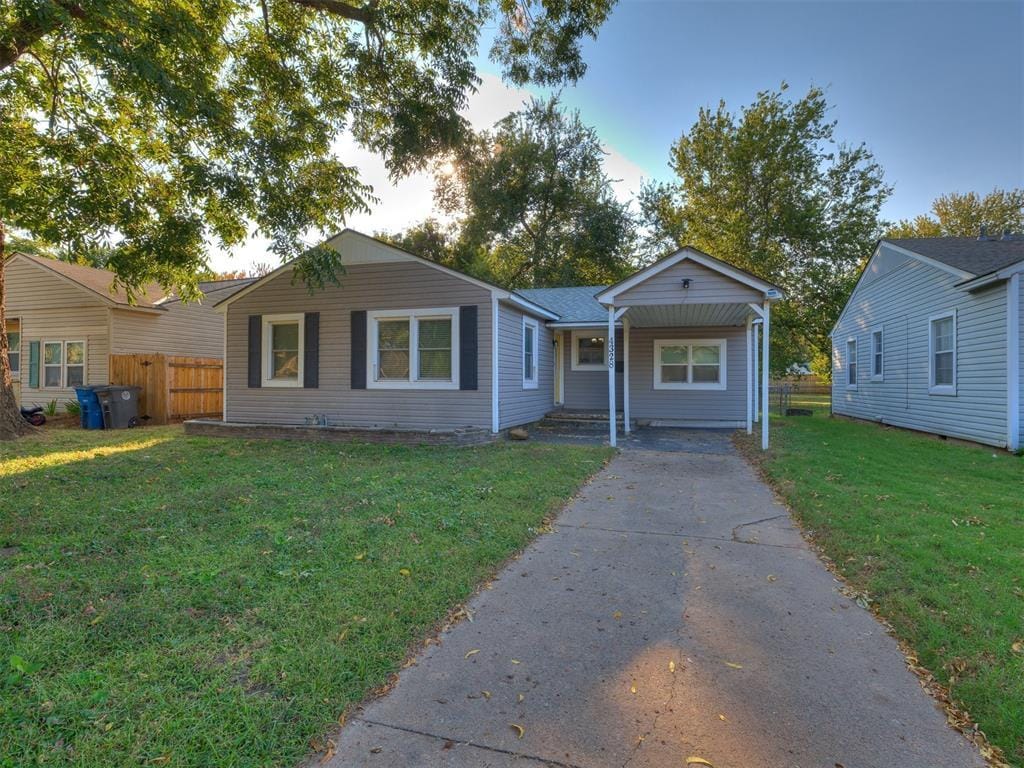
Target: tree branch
23,34
364,14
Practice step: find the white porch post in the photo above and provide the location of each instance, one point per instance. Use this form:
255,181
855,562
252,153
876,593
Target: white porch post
610,345
764,375
757,402
625,374
750,377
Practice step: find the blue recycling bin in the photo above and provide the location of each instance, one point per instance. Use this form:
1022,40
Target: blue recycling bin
92,414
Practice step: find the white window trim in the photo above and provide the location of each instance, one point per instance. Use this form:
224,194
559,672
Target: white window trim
531,383
856,363
582,333
451,313
16,375
880,330
721,384
268,356
933,388
63,362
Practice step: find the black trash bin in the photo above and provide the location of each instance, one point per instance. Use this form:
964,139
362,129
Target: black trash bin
120,406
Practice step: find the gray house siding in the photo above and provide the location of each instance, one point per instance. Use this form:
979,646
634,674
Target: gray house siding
588,390
363,287
727,406
1020,320
900,301
185,330
706,287
518,405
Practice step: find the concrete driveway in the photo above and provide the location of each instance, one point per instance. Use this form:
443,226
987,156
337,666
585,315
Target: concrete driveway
674,611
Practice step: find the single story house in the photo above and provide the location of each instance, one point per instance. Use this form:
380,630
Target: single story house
65,321
931,339
405,343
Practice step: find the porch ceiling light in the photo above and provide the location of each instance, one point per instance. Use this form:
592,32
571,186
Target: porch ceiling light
686,283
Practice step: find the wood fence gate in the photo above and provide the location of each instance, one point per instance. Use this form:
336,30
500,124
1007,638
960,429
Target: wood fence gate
173,388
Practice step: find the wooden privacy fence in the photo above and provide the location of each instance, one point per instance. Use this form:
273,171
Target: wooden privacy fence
172,387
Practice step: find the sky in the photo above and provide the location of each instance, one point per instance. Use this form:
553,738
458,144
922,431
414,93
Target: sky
934,89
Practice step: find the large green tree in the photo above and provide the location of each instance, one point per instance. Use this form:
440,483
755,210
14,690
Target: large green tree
533,205
771,190
143,130
964,214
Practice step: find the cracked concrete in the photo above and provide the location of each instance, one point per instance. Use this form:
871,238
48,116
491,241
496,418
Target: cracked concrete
674,610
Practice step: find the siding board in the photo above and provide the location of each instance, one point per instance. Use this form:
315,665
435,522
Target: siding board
518,405
706,287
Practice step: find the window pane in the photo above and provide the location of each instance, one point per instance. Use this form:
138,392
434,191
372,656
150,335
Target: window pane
435,364
675,354
944,369
76,375
14,358
706,355
435,334
393,364
943,334
590,350
286,364
76,353
673,374
51,376
528,339
52,353
393,334
285,336
705,374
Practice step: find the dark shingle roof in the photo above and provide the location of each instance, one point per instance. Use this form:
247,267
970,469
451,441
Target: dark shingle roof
573,305
979,257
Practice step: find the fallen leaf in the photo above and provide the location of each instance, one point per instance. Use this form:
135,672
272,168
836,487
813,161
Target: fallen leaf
1018,647
329,753
516,661
474,652
672,666
404,571
617,615
733,665
376,750
360,556
722,718
486,694
518,729
632,689
521,697
772,578
694,760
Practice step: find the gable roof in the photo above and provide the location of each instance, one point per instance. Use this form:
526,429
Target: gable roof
398,254
967,254
689,252
575,304
99,282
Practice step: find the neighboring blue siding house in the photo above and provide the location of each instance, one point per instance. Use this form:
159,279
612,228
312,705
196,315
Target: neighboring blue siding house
931,339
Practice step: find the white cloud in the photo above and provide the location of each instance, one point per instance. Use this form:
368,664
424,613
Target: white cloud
411,199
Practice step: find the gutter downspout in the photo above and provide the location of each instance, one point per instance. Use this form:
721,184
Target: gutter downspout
1013,322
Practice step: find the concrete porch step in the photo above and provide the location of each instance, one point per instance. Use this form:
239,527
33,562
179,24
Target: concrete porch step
580,420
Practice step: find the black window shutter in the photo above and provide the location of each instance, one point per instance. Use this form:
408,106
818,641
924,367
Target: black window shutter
358,346
468,346
311,351
255,351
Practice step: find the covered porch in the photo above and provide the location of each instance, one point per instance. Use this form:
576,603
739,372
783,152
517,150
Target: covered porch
687,345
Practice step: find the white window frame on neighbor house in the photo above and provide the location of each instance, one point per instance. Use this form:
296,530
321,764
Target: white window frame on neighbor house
933,388
269,321
851,373
878,353
413,317
721,384
12,350
62,366
530,382
584,333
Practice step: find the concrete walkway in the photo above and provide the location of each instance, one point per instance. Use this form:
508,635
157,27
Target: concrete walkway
673,612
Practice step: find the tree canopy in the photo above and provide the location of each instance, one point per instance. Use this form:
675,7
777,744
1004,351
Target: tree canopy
145,130
772,190
964,214
531,204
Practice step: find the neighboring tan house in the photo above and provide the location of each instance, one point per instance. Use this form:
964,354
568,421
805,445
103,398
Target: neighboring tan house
931,339
405,343
64,321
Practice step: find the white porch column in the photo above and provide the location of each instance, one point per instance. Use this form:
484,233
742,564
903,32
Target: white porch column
610,346
757,402
625,374
750,376
764,375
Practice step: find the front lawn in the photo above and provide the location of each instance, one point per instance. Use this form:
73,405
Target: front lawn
933,531
193,602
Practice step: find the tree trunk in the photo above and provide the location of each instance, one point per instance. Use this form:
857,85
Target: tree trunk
11,423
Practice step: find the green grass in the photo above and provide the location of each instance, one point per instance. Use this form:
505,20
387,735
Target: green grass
193,602
934,532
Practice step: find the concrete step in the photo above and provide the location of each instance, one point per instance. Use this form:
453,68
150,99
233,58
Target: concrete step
579,421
